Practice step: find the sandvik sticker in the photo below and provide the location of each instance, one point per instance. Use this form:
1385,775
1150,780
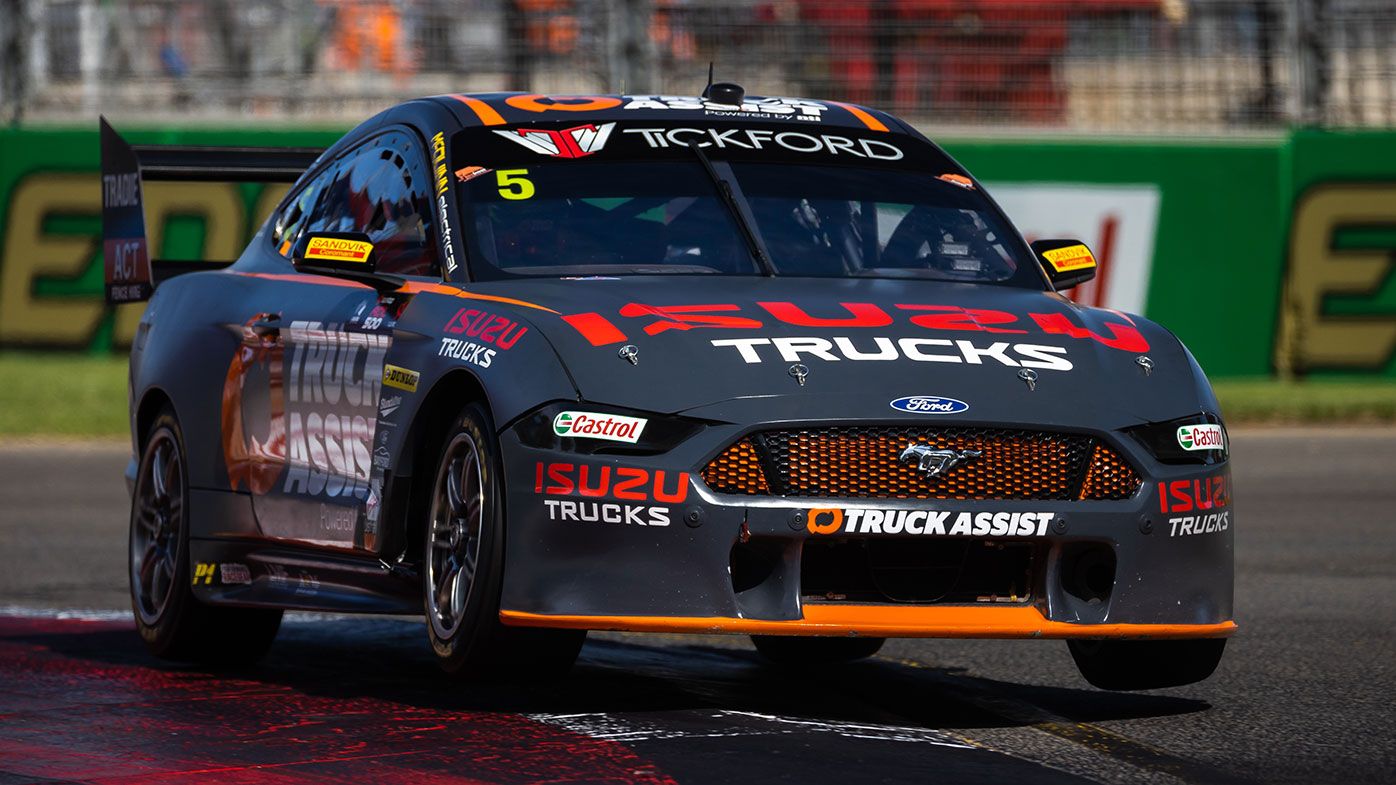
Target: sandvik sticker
334,249
1072,257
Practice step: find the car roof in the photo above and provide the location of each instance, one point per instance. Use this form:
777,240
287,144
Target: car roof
489,109
454,112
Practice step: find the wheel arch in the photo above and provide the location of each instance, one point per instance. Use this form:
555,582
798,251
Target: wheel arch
425,438
153,401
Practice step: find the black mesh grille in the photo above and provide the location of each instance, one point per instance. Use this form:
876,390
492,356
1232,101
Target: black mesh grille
863,462
917,571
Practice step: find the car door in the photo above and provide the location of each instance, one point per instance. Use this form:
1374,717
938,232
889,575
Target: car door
309,390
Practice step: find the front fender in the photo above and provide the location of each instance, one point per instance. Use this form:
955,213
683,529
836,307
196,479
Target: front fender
494,340
449,348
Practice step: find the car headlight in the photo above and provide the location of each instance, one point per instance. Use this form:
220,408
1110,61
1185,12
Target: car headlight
1199,438
593,429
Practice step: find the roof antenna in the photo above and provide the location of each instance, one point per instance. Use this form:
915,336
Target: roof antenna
725,93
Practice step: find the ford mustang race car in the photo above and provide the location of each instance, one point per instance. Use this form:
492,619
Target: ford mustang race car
532,366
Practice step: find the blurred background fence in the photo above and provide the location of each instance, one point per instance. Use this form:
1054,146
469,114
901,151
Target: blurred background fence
1201,67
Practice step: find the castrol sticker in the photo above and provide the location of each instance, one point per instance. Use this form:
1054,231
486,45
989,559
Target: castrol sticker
1201,437
609,427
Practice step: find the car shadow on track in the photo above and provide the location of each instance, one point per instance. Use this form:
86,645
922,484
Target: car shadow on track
387,659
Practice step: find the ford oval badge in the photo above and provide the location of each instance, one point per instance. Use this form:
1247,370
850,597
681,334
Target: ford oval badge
929,404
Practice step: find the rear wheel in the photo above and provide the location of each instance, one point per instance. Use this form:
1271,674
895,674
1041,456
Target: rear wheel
787,650
1146,665
170,619
463,567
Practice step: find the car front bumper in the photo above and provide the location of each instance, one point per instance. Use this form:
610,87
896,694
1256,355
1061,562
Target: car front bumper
585,548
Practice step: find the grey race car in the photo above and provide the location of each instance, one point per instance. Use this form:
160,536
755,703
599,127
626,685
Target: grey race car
536,365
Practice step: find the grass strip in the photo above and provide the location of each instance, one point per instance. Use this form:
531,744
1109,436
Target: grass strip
70,395
1309,401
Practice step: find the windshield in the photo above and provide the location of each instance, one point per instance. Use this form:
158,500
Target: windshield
562,217
580,219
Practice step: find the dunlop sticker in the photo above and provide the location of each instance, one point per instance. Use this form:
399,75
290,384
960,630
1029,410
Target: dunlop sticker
401,378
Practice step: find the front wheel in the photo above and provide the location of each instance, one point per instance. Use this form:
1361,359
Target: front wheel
170,619
463,567
801,651
1146,665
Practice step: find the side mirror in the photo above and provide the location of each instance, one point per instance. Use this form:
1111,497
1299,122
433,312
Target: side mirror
1068,262
335,253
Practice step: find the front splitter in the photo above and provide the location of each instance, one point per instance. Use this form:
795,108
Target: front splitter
951,621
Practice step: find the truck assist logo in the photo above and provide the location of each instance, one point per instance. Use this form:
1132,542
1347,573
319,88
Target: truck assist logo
931,523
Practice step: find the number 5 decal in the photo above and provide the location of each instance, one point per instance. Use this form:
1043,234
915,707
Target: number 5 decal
514,184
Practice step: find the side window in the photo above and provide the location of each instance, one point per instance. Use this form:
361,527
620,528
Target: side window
381,189
293,218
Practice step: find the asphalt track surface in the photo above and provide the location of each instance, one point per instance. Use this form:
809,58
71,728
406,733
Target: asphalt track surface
1304,695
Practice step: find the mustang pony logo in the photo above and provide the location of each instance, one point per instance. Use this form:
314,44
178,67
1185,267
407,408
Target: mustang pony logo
934,463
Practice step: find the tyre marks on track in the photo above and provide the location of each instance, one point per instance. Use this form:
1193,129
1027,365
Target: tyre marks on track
354,699
80,703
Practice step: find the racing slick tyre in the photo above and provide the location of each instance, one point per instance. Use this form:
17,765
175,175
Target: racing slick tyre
174,624
1146,665
463,567
787,650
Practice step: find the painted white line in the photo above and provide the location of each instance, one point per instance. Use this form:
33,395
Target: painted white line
610,727
79,614
107,614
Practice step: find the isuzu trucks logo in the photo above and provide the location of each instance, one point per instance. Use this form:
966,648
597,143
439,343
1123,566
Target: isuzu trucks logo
576,142
933,463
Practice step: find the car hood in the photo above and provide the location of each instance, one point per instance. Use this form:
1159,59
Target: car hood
735,349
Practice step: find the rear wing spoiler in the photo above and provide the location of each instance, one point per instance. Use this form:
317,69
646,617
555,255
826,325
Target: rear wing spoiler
130,274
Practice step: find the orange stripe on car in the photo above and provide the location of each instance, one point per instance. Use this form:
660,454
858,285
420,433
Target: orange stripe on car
410,287
948,621
862,114
482,110
314,280
415,287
